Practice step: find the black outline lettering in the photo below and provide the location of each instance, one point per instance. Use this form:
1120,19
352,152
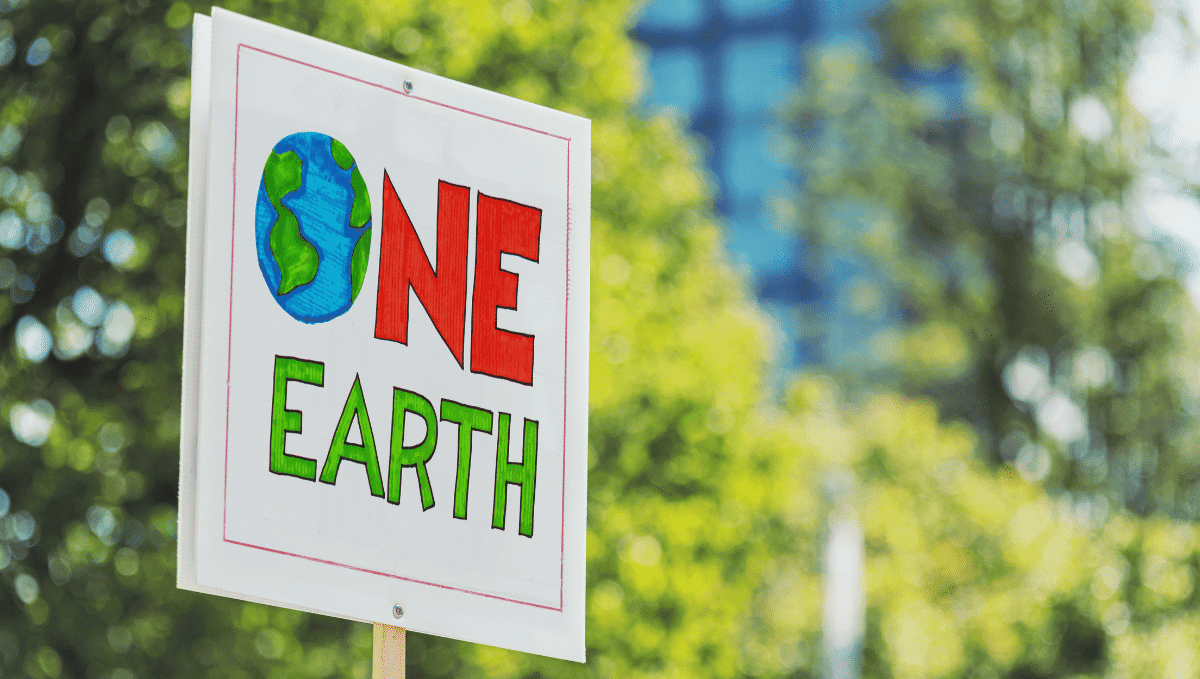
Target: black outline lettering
285,412
367,447
500,499
411,292
471,429
395,476
479,195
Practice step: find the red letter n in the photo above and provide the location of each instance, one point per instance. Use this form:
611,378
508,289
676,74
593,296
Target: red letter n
501,226
403,264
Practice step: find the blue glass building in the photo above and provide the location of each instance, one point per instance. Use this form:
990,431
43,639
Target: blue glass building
727,68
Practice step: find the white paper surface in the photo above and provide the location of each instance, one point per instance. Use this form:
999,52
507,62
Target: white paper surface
338,548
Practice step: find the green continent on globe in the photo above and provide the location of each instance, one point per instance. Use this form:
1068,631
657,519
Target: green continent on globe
297,258
358,263
360,212
341,155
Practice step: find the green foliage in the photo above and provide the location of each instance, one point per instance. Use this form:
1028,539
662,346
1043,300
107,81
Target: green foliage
970,573
1009,287
1023,295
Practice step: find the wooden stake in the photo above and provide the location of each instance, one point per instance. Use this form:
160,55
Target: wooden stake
388,652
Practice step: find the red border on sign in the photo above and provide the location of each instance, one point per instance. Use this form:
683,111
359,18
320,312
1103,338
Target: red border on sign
229,365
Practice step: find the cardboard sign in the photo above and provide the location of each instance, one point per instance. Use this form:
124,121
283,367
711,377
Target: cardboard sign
385,395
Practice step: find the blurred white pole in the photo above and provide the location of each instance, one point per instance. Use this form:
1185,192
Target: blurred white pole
845,600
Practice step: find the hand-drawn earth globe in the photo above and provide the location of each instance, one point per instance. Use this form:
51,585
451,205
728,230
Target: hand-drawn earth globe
312,225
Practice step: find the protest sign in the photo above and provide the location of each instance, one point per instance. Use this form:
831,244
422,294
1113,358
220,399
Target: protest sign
385,369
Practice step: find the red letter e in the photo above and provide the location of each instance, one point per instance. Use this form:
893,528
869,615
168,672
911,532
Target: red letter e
508,227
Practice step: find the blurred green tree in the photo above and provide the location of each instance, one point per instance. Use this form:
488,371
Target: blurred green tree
1007,274
979,176
973,573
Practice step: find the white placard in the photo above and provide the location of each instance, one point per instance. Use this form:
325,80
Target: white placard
385,360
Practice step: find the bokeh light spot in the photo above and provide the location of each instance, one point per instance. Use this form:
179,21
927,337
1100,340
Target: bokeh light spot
33,339
26,587
31,423
117,331
88,306
119,247
8,50
39,52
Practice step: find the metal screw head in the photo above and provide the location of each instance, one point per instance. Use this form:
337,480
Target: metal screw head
397,611
407,90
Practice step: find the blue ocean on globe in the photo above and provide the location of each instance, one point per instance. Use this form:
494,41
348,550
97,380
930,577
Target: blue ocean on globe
312,226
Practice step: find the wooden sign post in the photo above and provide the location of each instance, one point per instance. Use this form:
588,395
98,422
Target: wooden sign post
385,346
387,653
